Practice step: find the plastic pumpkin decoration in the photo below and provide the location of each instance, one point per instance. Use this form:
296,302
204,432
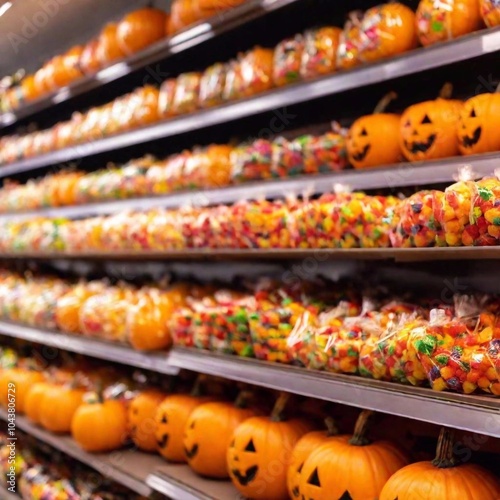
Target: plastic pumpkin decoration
29,88
58,406
147,327
386,31
304,447
23,379
108,49
258,444
374,139
141,415
490,12
442,478
100,425
441,20
355,469
429,129
204,454
34,399
141,28
209,8
89,62
182,13
171,418
479,123
40,80
67,67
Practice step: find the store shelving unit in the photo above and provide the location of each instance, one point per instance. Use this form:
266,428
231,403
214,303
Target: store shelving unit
407,64
157,362
180,42
391,254
394,176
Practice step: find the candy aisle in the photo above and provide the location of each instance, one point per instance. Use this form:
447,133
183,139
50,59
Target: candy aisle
248,249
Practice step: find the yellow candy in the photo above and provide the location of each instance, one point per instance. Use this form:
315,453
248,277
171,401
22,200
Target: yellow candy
439,384
469,387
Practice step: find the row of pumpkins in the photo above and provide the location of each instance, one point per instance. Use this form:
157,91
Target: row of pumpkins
279,456
383,31
136,31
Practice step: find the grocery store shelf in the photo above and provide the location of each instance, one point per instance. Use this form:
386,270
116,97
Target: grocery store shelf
194,35
322,255
157,362
127,467
179,482
395,176
7,495
418,60
479,414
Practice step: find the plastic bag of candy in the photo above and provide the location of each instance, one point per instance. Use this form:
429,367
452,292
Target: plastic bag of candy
256,71
319,56
415,223
288,157
461,353
325,153
186,93
233,85
181,326
212,86
287,60
253,161
164,230
348,53
166,98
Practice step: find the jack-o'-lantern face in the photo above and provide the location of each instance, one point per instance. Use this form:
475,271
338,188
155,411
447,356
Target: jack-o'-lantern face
478,125
428,130
171,418
141,415
373,141
205,454
259,456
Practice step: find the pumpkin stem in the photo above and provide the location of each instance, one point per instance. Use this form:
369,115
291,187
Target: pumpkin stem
384,102
446,91
197,389
278,412
444,452
243,399
99,391
331,427
361,428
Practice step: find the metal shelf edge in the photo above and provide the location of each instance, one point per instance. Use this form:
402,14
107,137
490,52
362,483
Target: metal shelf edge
172,489
395,176
94,348
391,399
410,63
66,445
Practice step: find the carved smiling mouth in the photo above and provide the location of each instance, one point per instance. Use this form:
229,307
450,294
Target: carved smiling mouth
416,147
163,441
362,154
296,491
192,452
468,141
248,477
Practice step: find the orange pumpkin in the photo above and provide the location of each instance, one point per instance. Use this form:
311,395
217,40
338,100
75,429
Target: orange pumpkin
478,125
34,399
58,406
210,8
171,418
429,129
100,426
89,61
183,13
392,31
446,19
490,12
204,454
145,106
373,140
351,468
108,50
40,81
147,328
22,379
260,453
29,88
141,419
304,447
442,478
141,28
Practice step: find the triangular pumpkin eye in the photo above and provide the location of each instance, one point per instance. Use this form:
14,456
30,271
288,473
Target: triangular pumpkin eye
250,446
363,132
473,113
408,124
314,478
426,119
346,496
299,470
192,425
232,444
164,419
